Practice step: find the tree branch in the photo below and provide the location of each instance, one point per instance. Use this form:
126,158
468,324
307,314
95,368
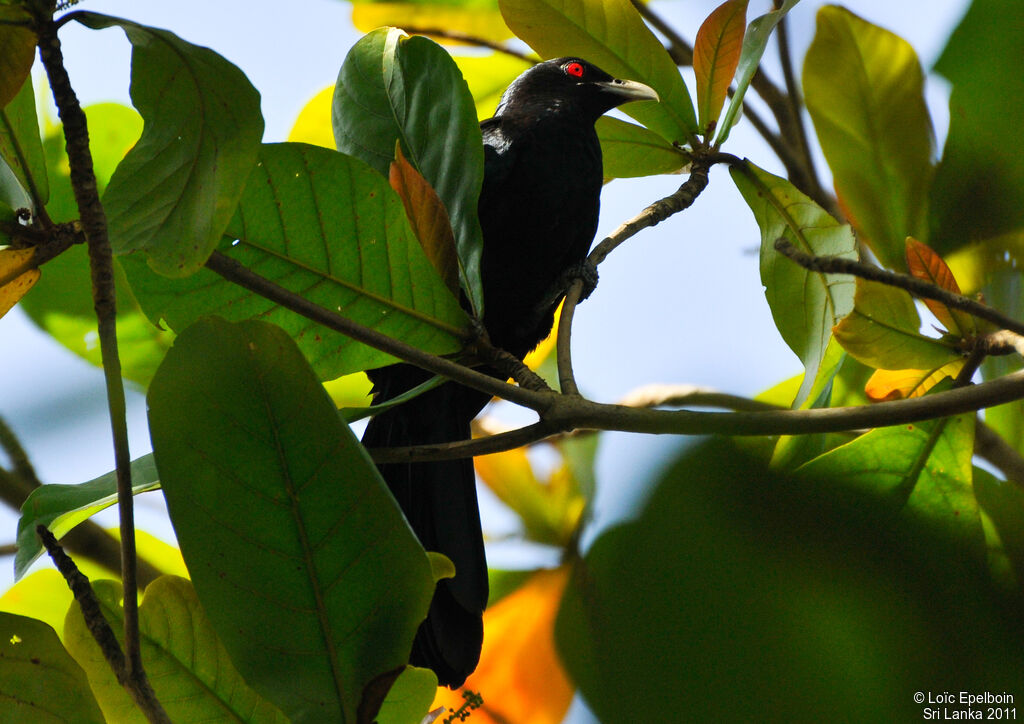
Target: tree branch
94,226
101,631
917,287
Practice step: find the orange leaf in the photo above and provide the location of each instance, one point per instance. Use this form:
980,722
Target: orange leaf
428,217
519,675
904,384
716,53
928,266
11,262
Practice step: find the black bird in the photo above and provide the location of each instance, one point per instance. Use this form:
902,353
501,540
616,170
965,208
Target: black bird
538,211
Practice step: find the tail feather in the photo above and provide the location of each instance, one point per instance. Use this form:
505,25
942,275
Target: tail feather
439,501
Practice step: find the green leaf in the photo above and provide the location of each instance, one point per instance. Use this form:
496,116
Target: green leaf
392,88
22,149
176,190
716,53
327,227
17,53
488,76
61,507
755,40
409,698
805,305
283,519
610,34
629,150
187,665
1003,502
883,331
41,683
978,191
61,302
864,89
761,601
913,478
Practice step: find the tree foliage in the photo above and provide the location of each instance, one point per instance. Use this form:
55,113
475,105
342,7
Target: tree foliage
836,548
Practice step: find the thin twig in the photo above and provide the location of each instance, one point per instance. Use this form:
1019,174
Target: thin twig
101,631
94,226
237,273
917,287
470,39
991,446
20,464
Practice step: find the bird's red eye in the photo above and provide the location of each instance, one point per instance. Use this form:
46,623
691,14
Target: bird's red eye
575,69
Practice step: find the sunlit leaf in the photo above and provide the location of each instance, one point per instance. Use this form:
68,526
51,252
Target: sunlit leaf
477,18
519,675
864,89
488,76
393,88
327,227
190,671
11,261
928,266
61,507
883,331
21,148
409,697
282,517
313,124
61,303
905,384
41,682
755,40
805,305
550,510
610,34
629,150
17,53
428,218
978,192
716,53
176,190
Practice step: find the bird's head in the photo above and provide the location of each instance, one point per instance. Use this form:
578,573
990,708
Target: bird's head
571,85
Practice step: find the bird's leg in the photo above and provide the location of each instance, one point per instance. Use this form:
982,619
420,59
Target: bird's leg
584,271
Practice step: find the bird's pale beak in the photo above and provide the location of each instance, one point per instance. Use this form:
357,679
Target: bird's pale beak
629,90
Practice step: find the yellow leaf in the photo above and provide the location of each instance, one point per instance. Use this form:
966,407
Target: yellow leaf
17,53
488,76
428,217
904,384
928,266
716,53
519,676
480,19
11,261
314,122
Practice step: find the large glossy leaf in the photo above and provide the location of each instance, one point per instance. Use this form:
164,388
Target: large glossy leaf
864,89
21,148
739,594
476,18
393,88
716,53
61,303
805,305
978,192
883,331
911,479
610,34
303,561
629,150
190,671
35,668
175,192
61,507
327,227
755,40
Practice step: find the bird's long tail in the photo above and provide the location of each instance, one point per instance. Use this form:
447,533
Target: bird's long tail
439,501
